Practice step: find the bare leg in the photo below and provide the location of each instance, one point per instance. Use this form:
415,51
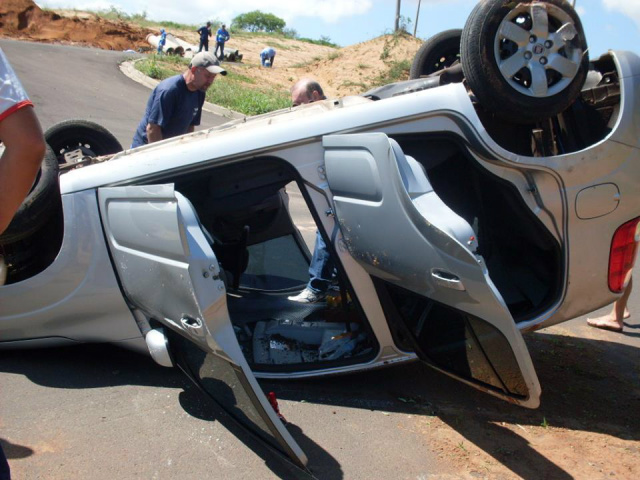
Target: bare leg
614,320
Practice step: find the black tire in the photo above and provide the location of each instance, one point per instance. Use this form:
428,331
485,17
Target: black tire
39,205
436,53
538,89
93,139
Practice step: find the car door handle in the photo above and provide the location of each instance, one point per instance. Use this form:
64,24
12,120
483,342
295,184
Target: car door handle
447,279
191,323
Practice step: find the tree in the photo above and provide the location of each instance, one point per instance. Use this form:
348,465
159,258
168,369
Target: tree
258,21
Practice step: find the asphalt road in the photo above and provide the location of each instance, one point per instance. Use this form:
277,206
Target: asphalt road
102,413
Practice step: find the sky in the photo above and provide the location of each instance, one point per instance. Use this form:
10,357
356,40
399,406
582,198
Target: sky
608,24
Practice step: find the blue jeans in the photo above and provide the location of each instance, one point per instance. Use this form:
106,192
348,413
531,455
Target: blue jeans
321,267
221,45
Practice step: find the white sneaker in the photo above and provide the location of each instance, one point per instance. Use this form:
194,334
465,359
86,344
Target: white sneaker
308,296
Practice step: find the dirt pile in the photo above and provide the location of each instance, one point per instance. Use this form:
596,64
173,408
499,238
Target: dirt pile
24,20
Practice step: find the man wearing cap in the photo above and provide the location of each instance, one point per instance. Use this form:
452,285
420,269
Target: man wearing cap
175,105
205,33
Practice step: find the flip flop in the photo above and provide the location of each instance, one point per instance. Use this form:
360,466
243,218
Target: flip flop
606,327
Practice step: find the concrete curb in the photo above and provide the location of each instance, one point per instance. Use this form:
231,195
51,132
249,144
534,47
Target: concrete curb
129,69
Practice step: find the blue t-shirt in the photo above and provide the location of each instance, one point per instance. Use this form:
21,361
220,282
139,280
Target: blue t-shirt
222,36
172,106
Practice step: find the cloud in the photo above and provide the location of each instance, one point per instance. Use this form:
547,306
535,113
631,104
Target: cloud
630,8
197,11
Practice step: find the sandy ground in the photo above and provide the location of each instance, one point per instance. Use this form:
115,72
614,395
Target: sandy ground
588,423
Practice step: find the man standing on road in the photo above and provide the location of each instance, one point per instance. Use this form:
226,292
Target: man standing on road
205,33
175,105
267,56
221,37
24,148
321,268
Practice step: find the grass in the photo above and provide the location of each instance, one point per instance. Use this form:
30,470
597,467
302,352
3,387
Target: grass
397,71
349,83
334,55
234,91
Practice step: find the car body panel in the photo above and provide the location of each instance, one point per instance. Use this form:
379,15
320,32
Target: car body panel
77,298
397,228
153,233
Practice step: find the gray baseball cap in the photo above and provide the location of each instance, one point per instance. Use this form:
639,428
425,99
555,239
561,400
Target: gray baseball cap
208,61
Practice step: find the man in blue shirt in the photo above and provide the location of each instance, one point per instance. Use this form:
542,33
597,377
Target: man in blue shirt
221,37
163,40
205,33
267,56
175,105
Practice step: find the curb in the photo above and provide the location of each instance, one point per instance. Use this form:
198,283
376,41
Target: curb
129,69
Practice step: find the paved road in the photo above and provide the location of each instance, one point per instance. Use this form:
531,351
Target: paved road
102,413
82,83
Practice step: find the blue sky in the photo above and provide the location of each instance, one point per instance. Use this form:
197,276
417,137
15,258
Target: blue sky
609,24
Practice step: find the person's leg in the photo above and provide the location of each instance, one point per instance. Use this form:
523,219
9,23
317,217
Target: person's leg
320,272
221,50
614,320
200,47
272,59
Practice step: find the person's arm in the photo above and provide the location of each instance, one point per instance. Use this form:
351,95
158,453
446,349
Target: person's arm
154,132
24,149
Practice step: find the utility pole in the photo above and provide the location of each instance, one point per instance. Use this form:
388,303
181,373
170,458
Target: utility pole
397,16
415,25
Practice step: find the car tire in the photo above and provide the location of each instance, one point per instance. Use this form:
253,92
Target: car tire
94,140
521,69
38,206
436,53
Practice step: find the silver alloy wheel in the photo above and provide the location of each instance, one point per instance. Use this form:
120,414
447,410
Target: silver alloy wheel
534,49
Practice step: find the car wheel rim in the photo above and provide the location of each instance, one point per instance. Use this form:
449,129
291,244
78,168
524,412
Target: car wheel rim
536,49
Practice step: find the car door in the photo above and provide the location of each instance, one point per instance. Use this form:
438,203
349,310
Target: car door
423,261
168,270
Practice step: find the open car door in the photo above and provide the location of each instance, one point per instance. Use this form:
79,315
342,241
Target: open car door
168,270
423,261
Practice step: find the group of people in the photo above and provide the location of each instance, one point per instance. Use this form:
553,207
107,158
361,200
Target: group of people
267,55
222,36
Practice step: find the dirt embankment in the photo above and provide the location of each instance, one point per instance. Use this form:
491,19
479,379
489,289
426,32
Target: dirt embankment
24,20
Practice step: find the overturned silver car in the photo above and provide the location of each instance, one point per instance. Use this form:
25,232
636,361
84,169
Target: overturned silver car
453,226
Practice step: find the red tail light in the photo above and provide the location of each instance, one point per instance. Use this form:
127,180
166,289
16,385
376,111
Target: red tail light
624,249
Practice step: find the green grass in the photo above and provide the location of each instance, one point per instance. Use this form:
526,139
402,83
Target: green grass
233,94
349,83
158,67
397,71
334,55
233,91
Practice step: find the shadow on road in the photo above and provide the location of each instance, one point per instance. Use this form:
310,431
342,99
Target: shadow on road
588,385
101,366
13,450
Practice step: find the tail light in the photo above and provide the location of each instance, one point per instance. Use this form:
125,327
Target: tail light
624,249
